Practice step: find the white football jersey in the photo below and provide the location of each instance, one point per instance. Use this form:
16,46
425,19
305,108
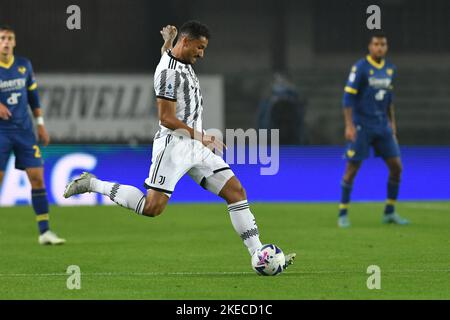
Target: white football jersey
176,81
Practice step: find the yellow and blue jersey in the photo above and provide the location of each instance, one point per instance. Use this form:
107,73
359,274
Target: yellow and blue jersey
18,90
369,92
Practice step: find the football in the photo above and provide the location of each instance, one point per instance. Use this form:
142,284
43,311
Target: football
268,260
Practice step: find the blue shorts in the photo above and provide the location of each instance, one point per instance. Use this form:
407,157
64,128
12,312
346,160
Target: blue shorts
381,139
24,145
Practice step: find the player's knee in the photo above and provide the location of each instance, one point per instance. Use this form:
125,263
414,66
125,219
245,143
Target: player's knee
238,193
153,209
350,176
396,170
37,182
233,191
351,171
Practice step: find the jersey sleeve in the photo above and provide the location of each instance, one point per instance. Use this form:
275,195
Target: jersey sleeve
352,86
31,80
391,87
33,96
166,84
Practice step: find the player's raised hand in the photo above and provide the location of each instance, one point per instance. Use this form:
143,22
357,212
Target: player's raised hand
43,135
350,132
169,33
5,114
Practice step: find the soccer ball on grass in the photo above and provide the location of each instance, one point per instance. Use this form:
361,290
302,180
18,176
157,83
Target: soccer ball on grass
268,260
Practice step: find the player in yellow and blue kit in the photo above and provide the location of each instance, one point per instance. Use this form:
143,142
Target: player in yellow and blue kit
18,90
370,122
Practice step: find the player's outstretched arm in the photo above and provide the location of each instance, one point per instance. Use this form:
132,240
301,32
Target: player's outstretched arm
167,116
41,130
169,33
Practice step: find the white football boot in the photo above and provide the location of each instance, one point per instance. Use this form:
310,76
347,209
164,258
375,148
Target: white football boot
289,259
49,237
82,184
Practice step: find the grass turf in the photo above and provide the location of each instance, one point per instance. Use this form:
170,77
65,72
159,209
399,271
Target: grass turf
192,252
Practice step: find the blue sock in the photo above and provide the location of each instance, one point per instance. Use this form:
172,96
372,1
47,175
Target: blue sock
392,194
346,190
40,206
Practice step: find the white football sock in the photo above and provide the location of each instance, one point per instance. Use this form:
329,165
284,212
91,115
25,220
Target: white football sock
124,195
244,223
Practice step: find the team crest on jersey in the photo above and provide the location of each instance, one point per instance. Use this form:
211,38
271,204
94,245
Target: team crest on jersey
169,89
350,153
389,71
371,72
22,69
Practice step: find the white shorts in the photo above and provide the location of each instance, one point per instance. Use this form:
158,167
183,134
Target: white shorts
174,156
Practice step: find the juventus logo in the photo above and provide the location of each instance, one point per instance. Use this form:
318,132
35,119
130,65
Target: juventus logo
162,179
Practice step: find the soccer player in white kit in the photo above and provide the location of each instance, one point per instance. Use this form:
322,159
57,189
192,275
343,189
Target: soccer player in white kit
181,146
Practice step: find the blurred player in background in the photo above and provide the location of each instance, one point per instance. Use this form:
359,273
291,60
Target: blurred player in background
370,122
18,90
180,106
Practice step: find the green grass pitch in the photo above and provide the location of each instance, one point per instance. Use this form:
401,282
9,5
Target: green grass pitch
192,252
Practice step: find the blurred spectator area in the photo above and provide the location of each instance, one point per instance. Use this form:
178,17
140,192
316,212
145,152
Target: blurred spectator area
422,101
315,42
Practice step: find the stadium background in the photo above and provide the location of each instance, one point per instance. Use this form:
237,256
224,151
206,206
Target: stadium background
311,43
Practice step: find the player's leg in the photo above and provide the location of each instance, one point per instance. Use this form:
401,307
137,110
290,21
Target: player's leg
215,175
168,166
386,146
356,152
155,203
40,205
395,170
5,151
242,218
39,197
163,176
124,195
351,169
29,158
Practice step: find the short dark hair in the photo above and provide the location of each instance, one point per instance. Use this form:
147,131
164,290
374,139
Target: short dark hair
377,34
195,30
5,27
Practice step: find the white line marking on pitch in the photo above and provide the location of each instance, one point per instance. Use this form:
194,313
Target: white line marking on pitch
432,206
150,274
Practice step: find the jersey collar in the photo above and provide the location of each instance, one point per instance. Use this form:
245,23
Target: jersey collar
374,63
7,65
169,52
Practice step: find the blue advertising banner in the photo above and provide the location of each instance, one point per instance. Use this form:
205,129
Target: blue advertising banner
304,174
